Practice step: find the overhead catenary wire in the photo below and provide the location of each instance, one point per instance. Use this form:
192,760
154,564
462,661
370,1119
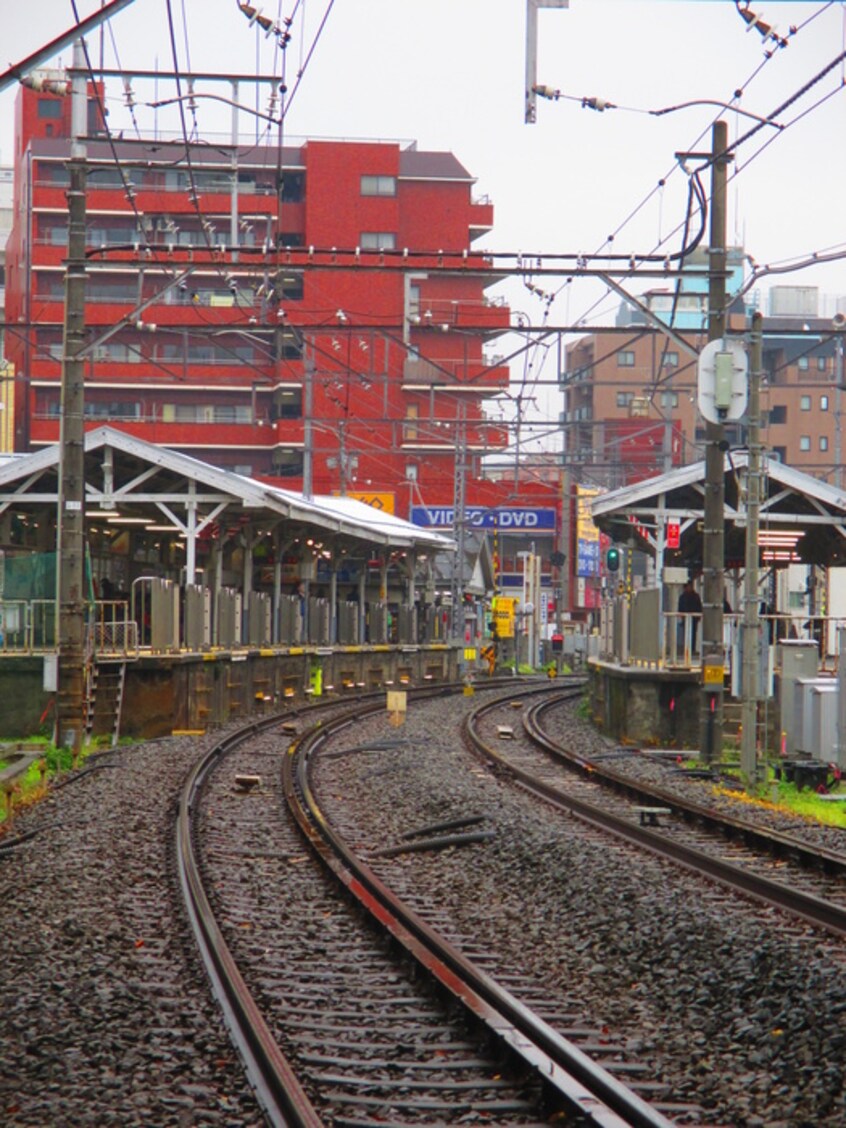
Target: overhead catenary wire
530,366
739,91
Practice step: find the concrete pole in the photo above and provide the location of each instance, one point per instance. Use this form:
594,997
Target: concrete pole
277,583
566,570
459,518
713,649
70,558
752,641
233,202
308,411
838,392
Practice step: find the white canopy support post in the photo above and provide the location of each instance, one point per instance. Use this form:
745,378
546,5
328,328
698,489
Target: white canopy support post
191,535
333,597
362,601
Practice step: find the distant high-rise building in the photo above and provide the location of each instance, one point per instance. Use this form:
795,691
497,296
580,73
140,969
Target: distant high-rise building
631,397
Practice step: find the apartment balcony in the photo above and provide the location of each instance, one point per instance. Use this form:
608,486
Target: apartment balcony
472,377
463,314
196,436
441,436
481,217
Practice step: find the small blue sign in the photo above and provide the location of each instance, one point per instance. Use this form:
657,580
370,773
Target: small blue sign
587,558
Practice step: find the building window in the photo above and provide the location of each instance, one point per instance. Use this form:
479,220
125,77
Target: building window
53,174
822,363
823,442
287,463
125,409
778,414
669,399
823,403
671,360
626,358
803,363
56,236
804,442
624,398
290,284
378,186
49,107
805,403
378,240
292,188
232,413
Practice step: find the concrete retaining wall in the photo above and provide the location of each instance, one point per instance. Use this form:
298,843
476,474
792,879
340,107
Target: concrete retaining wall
203,691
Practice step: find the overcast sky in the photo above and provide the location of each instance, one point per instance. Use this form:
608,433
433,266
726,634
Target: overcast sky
449,74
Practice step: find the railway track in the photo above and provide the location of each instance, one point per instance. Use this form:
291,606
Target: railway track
774,866
332,1027
706,1006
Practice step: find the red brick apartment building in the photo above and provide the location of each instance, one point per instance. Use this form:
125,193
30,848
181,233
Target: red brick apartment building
256,354
630,401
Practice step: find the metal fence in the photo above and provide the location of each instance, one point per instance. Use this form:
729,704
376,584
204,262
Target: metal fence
29,627
635,631
159,617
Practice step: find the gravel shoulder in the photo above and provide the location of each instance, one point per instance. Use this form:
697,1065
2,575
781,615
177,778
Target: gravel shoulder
105,1018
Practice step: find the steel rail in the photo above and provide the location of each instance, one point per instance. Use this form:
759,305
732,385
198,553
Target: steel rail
812,909
773,840
269,1072
565,1070
271,1076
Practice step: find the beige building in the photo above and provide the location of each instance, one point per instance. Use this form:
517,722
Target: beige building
630,399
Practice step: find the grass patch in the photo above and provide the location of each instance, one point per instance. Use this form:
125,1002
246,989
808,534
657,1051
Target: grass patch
583,710
27,788
778,795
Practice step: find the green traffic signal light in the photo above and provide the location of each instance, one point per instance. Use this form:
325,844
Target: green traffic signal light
612,559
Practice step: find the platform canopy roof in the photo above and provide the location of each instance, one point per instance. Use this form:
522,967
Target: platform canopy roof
133,479
801,518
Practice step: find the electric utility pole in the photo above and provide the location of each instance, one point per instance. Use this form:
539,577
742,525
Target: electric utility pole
713,550
752,639
459,519
70,556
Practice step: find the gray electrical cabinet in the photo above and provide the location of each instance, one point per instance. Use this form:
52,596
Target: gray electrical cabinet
800,737
823,721
797,658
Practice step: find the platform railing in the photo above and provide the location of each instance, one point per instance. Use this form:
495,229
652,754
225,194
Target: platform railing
160,618
28,627
631,634
113,635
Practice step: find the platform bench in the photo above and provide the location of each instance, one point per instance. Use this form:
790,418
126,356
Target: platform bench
649,816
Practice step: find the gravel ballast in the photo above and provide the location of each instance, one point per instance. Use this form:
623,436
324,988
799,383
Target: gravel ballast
105,1019
738,1012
